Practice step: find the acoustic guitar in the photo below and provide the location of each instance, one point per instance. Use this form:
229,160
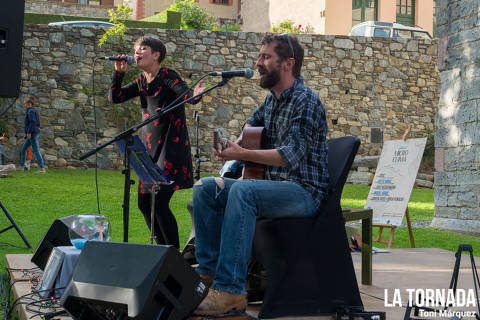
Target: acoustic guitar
253,138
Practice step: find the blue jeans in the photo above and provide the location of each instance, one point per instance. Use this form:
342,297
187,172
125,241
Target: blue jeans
33,141
225,223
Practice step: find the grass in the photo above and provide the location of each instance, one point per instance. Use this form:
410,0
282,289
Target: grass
421,208
35,201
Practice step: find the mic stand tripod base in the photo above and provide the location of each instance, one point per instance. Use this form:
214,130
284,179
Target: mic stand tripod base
13,225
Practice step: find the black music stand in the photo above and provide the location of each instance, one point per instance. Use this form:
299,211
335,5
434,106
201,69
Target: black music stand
13,225
147,171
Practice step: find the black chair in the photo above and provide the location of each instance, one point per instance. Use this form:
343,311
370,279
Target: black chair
308,264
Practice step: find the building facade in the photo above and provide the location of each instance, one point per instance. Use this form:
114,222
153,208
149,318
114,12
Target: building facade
222,10
88,2
335,16
457,121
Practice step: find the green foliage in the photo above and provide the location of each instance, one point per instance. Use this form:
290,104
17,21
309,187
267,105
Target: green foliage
171,19
228,27
35,18
174,20
288,26
118,17
193,17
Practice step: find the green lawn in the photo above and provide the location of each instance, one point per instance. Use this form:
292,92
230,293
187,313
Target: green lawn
421,209
35,201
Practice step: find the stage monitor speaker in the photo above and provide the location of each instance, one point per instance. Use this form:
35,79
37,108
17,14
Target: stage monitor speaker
132,281
56,236
11,39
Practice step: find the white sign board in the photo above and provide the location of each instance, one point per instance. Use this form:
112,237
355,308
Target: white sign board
394,180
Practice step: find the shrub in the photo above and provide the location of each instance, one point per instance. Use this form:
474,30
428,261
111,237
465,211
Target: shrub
288,26
118,17
193,17
228,27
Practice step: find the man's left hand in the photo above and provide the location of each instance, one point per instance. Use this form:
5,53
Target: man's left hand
232,152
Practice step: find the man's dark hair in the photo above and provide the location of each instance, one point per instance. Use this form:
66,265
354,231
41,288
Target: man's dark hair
154,43
32,99
284,50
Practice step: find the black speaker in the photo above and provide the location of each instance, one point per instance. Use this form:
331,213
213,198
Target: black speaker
132,281
11,39
56,235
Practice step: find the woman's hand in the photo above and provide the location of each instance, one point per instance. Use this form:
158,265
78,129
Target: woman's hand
199,88
121,66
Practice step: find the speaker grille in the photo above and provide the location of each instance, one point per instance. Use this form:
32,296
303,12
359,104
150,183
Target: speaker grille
134,280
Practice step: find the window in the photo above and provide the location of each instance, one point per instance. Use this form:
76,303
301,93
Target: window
421,35
406,12
406,34
359,31
224,2
364,10
381,32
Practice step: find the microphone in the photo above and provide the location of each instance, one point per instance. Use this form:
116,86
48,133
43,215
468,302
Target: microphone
129,59
247,73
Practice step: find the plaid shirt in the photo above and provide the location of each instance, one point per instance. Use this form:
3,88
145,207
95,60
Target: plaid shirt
296,126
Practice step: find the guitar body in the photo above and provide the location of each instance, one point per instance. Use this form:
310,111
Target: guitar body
253,138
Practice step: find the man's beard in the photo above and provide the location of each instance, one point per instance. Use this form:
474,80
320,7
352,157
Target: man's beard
270,79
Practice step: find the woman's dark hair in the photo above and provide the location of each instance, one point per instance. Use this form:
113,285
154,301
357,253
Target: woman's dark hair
154,43
287,46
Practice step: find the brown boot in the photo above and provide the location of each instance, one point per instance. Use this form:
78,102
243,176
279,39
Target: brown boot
206,279
220,302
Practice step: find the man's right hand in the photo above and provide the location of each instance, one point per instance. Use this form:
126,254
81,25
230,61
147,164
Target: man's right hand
121,66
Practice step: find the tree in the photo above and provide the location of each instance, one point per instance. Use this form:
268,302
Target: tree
118,17
126,113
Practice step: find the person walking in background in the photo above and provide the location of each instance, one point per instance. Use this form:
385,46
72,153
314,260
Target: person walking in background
32,133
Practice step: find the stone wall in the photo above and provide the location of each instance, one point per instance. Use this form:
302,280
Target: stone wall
371,88
65,8
457,139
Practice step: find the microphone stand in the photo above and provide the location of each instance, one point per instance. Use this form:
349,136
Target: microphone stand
197,152
127,136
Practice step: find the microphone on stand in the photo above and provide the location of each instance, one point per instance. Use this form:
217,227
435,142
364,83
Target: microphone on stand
247,73
129,59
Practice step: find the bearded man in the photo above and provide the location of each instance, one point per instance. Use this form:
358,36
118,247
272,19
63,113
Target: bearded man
295,176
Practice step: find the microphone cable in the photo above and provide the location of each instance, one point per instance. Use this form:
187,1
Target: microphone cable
95,122
95,134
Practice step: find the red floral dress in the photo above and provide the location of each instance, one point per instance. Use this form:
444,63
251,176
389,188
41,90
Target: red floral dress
166,138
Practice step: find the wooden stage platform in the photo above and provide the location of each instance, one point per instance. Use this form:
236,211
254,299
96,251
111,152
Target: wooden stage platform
400,269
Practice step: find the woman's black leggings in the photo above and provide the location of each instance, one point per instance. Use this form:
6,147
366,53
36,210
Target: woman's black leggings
165,224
